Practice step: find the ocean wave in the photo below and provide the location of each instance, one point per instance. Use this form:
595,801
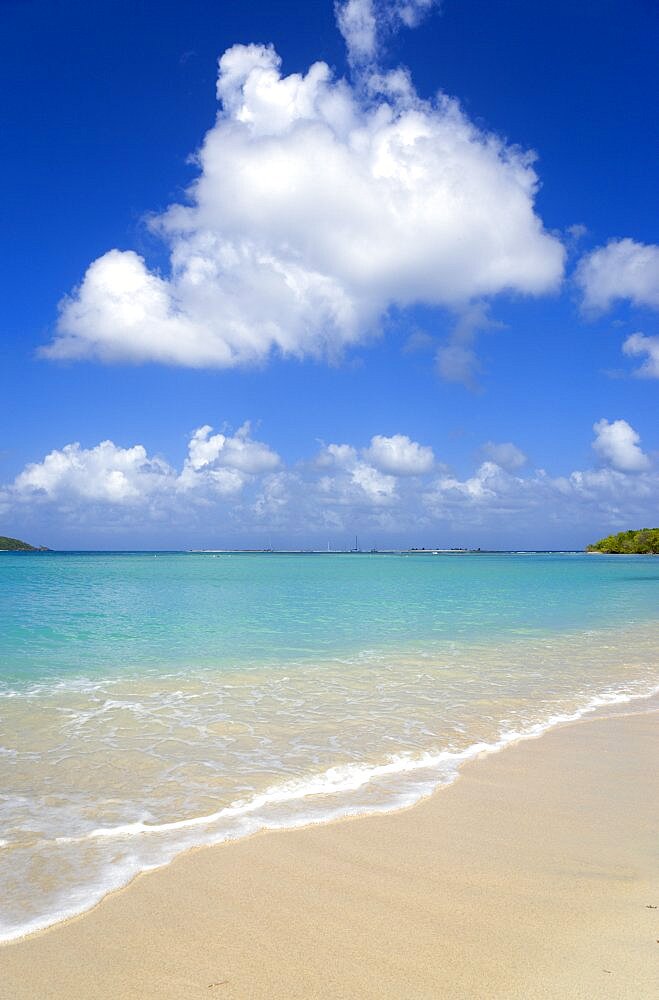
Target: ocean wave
403,779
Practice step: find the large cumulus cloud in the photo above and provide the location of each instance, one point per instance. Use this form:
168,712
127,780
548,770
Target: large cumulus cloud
319,205
107,473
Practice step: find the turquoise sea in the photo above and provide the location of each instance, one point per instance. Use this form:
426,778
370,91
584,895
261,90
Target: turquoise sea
150,702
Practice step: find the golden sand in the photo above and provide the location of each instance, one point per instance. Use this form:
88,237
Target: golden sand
536,875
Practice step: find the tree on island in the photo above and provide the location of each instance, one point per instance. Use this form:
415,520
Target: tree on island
16,545
645,541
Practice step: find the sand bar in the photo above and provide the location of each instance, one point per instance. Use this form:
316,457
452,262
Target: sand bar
535,875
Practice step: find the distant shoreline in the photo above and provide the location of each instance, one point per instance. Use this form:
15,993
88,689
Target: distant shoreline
319,552
307,552
388,552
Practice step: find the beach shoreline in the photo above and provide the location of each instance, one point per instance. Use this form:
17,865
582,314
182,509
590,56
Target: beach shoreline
548,878
179,702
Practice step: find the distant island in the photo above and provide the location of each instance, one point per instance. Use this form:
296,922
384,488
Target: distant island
16,545
645,541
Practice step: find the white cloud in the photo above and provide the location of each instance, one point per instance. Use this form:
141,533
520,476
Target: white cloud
637,345
225,463
295,237
512,509
457,363
377,486
363,23
233,487
354,477
275,498
357,23
212,452
486,483
505,454
410,12
399,455
418,342
618,444
371,473
342,455
577,231
623,269
106,473
456,360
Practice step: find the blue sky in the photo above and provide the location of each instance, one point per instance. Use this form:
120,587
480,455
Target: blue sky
396,322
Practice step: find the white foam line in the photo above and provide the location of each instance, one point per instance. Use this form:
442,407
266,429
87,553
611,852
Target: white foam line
351,777
346,778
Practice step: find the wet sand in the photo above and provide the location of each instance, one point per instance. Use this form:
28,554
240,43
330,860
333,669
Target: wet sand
536,875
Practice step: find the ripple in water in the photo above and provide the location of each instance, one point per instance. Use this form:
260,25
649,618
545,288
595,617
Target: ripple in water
110,776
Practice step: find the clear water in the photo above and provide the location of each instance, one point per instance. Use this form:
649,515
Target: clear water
150,702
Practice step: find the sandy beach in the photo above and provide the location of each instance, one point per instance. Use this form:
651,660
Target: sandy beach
535,875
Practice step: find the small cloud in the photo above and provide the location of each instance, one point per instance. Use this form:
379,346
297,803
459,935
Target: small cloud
505,454
225,462
617,443
341,455
365,24
456,360
399,456
458,363
377,486
418,342
637,345
577,232
623,269
357,23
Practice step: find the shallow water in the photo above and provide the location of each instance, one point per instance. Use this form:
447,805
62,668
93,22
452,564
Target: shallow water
152,702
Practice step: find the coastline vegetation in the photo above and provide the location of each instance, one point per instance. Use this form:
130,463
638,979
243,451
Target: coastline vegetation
16,545
645,541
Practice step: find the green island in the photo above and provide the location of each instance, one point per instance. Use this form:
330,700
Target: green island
645,541
16,545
